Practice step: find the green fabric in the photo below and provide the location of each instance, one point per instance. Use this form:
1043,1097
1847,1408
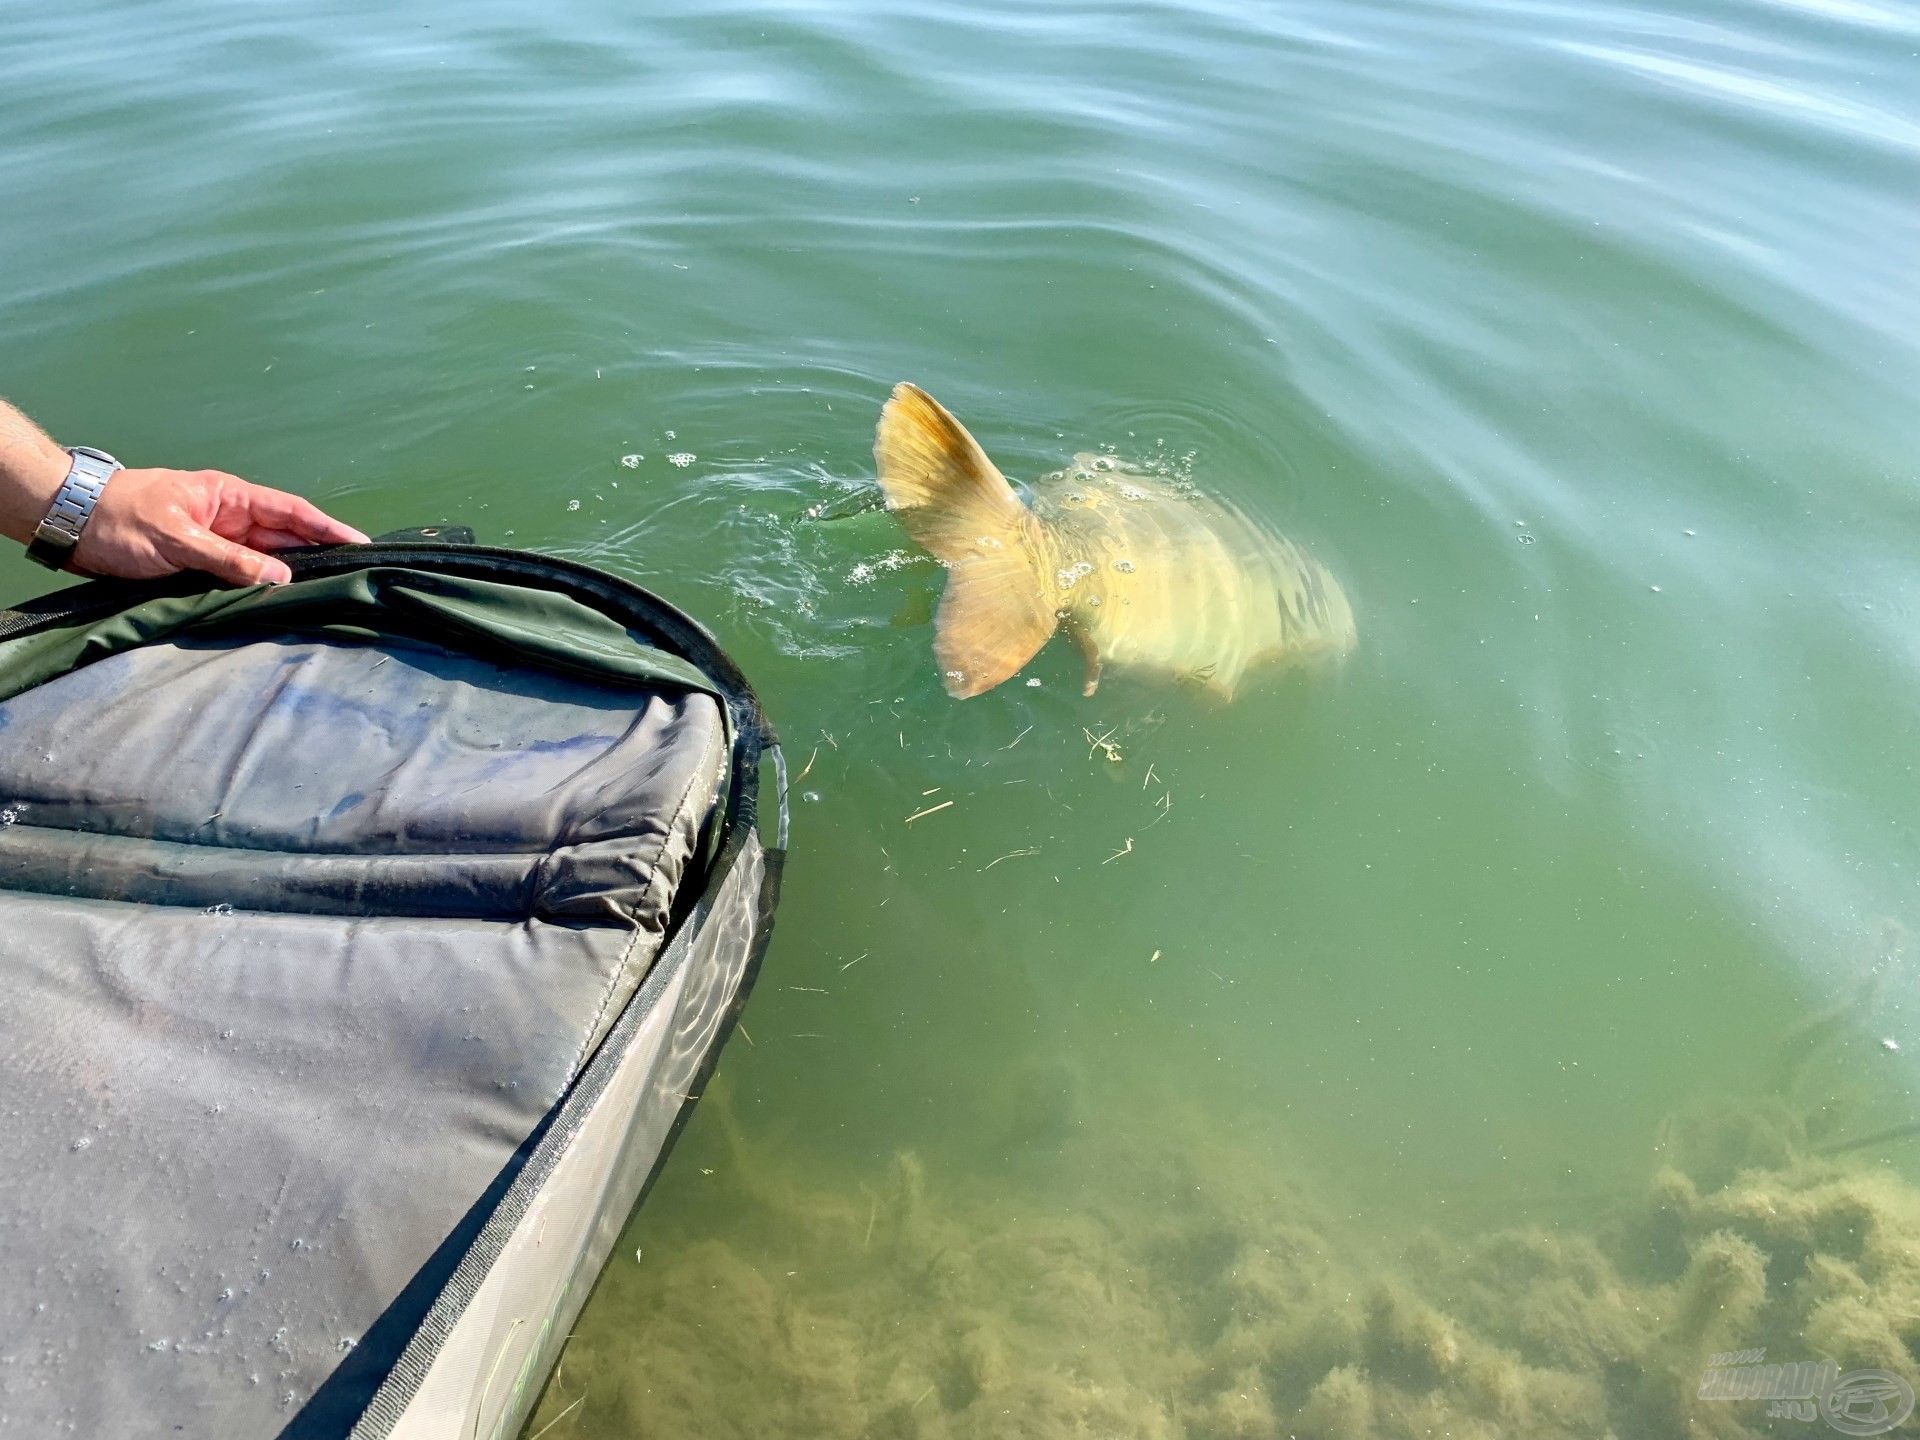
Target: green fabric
512,624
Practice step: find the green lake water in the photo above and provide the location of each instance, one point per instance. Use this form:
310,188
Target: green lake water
1470,1039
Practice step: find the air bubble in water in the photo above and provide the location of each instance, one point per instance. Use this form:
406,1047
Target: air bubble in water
863,572
632,462
1125,567
573,504
680,459
223,908
1033,684
82,1143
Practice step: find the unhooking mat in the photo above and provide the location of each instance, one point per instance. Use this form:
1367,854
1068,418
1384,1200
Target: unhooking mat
315,905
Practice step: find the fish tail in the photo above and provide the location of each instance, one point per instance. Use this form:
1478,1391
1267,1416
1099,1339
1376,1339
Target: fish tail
995,614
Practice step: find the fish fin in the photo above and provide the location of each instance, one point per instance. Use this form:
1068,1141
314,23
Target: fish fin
1089,659
947,495
938,482
991,622
1210,681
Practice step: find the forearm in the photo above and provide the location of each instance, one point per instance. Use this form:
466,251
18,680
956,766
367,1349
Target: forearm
31,469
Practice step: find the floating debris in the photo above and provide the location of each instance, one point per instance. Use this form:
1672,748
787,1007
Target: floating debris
1010,855
930,810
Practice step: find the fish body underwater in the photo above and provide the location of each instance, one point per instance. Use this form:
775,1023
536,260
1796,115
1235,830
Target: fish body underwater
1141,574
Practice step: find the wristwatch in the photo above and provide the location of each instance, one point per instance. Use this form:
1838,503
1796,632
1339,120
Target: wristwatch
53,542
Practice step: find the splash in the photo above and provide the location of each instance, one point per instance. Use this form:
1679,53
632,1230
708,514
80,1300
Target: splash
865,571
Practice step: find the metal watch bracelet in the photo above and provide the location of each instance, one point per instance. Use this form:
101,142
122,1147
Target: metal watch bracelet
54,540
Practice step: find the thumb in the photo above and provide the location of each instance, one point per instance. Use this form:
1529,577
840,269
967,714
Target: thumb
236,564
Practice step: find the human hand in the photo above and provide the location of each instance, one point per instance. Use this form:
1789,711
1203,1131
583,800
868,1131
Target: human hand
150,523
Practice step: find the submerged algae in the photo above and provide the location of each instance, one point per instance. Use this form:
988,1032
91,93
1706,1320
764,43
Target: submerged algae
1171,1291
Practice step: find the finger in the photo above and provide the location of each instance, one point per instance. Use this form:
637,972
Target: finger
277,510
236,564
261,538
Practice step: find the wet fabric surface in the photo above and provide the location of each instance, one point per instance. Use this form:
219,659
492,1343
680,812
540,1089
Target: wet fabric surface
322,774
302,938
